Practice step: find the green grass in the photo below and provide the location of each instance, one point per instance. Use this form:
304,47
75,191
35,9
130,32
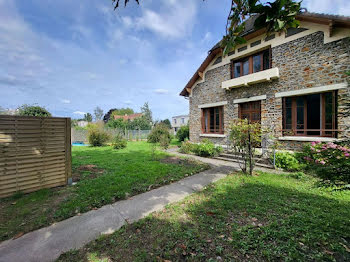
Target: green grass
262,218
117,174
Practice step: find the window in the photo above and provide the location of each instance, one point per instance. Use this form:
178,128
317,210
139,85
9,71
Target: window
183,120
252,64
213,120
175,128
250,111
175,121
310,115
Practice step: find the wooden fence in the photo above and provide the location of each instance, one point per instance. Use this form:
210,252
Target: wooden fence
35,153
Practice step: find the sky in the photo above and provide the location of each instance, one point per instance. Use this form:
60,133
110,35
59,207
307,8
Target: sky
71,56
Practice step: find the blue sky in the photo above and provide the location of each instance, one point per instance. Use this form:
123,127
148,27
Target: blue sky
71,56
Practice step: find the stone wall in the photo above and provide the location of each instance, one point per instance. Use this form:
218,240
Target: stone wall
303,63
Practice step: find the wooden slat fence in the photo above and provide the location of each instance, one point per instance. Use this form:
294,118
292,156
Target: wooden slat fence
35,153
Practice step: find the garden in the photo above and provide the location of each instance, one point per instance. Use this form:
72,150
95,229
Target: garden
102,175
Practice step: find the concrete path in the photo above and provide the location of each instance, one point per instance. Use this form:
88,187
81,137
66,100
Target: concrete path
48,243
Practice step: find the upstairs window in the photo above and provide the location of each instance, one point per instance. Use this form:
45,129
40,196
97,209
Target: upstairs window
310,115
251,64
213,120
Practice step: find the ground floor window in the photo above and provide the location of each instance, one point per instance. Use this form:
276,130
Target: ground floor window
250,111
213,120
310,115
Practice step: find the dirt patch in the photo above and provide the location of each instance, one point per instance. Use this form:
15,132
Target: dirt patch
177,161
92,170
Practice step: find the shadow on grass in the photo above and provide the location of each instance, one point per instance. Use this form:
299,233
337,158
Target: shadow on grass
244,219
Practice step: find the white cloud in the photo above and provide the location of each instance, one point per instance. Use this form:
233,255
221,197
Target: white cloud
175,20
161,91
65,101
339,7
127,21
128,102
79,113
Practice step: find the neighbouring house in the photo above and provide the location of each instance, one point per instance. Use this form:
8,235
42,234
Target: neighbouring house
82,123
179,121
294,83
128,117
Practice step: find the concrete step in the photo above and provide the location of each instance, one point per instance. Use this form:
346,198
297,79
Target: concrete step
236,160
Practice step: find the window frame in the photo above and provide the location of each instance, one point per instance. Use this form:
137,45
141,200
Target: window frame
250,111
251,65
206,118
304,132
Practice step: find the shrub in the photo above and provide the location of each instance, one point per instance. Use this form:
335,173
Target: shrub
97,136
119,142
287,161
164,141
186,147
330,161
183,133
206,149
157,132
27,110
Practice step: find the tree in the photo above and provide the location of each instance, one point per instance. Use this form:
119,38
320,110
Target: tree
123,111
275,16
183,133
140,123
166,122
98,112
88,117
27,110
2,111
147,113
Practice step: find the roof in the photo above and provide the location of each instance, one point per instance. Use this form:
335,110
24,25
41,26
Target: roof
180,116
128,117
250,32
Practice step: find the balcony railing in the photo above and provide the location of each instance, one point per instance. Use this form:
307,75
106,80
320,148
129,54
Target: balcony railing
258,77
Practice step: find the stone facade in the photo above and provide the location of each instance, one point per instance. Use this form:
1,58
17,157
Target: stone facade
303,63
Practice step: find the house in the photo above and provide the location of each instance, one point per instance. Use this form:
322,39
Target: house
82,123
294,83
179,121
128,117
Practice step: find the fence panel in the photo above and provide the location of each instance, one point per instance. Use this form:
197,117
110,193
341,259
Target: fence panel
35,153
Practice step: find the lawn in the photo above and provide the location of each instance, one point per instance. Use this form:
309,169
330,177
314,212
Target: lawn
103,176
267,217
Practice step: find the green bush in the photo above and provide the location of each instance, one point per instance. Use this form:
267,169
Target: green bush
119,142
97,136
186,147
287,161
206,149
164,141
157,132
183,133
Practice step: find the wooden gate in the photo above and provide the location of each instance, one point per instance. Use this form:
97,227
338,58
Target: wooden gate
35,153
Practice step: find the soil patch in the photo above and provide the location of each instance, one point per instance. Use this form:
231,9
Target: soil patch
178,161
92,170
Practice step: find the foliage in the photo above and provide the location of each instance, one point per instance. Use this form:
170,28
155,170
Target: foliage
157,132
274,16
123,111
256,218
287,161
98,113
97,136
2,110
206,149
183,133
139,123
164,141
330,162
119,142
187,147
88,117
27,110
108,115
245,137
147,113
166,122
118,123
106,176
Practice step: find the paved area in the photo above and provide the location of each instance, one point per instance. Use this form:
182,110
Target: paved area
48,243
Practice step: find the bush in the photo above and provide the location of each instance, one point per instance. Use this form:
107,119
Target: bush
157,132
183,133
164,141
27,110
330,161
287,161
119,142
206,149
186,147
97,136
